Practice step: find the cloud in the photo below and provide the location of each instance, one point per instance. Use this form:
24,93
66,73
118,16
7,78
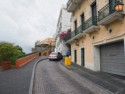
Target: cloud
23,22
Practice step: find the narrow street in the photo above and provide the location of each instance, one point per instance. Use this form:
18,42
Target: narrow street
17,81
50,79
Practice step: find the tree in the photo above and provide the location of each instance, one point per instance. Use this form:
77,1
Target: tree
9,52
19,50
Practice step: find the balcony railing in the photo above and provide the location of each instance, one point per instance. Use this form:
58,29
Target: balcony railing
106,11
74,33
90,22
77,31
68,3
68,37
72,5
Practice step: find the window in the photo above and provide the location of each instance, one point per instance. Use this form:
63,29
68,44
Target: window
82,20
94,13
75,24
94,10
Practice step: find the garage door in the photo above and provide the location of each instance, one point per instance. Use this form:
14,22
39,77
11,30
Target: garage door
113,58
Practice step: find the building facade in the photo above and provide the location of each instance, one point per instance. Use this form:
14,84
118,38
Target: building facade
98,35
62,26
47,44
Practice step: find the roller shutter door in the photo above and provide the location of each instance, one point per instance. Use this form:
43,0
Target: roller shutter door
113,58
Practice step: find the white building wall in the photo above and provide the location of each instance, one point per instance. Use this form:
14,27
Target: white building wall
62,26
65,20
57,44
62,48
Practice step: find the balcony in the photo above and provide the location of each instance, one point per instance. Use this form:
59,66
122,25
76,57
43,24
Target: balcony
76,34
107,15
91,25
72,5
68,37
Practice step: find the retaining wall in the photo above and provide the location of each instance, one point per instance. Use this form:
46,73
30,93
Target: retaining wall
22,61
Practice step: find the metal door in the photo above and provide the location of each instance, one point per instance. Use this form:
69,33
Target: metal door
113,58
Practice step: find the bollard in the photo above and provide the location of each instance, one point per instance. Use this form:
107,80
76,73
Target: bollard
67,61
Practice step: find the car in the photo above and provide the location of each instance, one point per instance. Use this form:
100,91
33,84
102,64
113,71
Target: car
55,56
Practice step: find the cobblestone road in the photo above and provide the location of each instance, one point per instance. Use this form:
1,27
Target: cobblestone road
17,81
49,79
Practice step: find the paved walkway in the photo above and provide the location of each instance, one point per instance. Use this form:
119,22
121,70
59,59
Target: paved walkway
17,81
50,79
112,83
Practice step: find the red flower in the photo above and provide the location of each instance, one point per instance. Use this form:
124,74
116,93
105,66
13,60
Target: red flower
63,35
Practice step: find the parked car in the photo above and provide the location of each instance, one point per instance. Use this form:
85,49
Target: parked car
55,56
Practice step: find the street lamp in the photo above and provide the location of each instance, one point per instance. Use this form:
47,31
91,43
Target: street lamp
119,6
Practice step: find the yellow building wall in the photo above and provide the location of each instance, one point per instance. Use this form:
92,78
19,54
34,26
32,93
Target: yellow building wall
100,37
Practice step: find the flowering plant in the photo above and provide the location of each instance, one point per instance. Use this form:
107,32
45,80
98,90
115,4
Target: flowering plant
63,35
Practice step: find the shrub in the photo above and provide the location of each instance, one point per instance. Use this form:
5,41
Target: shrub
9,52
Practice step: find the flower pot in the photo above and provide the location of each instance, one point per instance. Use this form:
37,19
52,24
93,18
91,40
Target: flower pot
6,65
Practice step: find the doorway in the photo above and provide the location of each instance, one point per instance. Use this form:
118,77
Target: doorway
82,56
75,56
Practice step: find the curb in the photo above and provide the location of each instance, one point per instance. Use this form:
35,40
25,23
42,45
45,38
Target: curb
33,75
96,89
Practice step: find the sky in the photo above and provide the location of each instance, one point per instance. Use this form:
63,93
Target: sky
23,22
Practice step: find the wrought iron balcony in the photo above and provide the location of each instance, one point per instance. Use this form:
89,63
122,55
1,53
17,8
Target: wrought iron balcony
91,25
77,31
75,34
107,14
68,37
73,4
90,22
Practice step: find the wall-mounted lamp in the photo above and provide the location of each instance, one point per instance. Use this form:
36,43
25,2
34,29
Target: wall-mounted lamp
119,7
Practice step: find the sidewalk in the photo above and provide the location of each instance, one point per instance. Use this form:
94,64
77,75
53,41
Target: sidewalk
111,83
